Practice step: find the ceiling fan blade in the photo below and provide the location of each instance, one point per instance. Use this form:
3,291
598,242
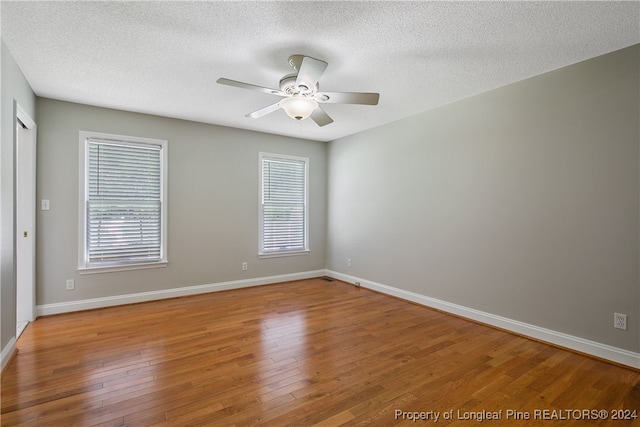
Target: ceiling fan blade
365,98
310,71
320,117
264,111
242,85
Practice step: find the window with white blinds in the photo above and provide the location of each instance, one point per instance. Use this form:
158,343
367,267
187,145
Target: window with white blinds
124,201
283,204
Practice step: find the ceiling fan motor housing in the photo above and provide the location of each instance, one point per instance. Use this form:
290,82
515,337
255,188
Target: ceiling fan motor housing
289,86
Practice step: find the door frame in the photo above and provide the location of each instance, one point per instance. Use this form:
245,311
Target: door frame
25,214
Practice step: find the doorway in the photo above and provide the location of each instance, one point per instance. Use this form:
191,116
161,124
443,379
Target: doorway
25,191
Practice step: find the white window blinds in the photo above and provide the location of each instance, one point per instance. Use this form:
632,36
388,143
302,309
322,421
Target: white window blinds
283,204
123,203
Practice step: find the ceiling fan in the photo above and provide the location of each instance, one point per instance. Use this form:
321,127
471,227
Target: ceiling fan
300,92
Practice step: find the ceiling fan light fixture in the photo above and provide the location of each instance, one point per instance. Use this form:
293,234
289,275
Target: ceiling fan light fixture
298,108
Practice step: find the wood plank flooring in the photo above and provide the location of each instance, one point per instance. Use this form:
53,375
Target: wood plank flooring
300,354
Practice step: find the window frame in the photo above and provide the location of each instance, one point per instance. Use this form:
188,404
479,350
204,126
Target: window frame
282,253
84,137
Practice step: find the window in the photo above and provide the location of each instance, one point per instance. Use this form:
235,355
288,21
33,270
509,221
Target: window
122,202
283,205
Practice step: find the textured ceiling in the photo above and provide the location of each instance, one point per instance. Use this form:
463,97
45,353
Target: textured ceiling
164,57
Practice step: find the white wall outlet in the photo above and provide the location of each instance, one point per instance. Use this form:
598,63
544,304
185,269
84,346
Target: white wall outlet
348,262
245,266
45,205
620,321
71,284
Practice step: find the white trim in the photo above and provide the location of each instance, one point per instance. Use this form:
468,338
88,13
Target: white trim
26,147
7,353
123,267
88,304
604,351
24,117
283,253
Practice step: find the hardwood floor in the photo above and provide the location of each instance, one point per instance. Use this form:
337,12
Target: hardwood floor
300,353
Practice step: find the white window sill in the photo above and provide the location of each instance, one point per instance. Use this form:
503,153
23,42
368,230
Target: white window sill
114,268
282,254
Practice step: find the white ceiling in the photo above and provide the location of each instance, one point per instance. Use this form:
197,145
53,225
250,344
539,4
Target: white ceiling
164,58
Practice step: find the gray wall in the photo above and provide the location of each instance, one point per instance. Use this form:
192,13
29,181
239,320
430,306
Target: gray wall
521,202
14,87
213,203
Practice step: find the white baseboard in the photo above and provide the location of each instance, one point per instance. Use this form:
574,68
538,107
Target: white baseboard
604,351
7,353
88,304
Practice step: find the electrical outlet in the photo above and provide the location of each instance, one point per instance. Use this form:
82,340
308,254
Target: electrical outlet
71,284
245,266
348,262
620,321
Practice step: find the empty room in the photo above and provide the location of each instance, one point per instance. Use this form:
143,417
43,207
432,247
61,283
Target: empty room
320,213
